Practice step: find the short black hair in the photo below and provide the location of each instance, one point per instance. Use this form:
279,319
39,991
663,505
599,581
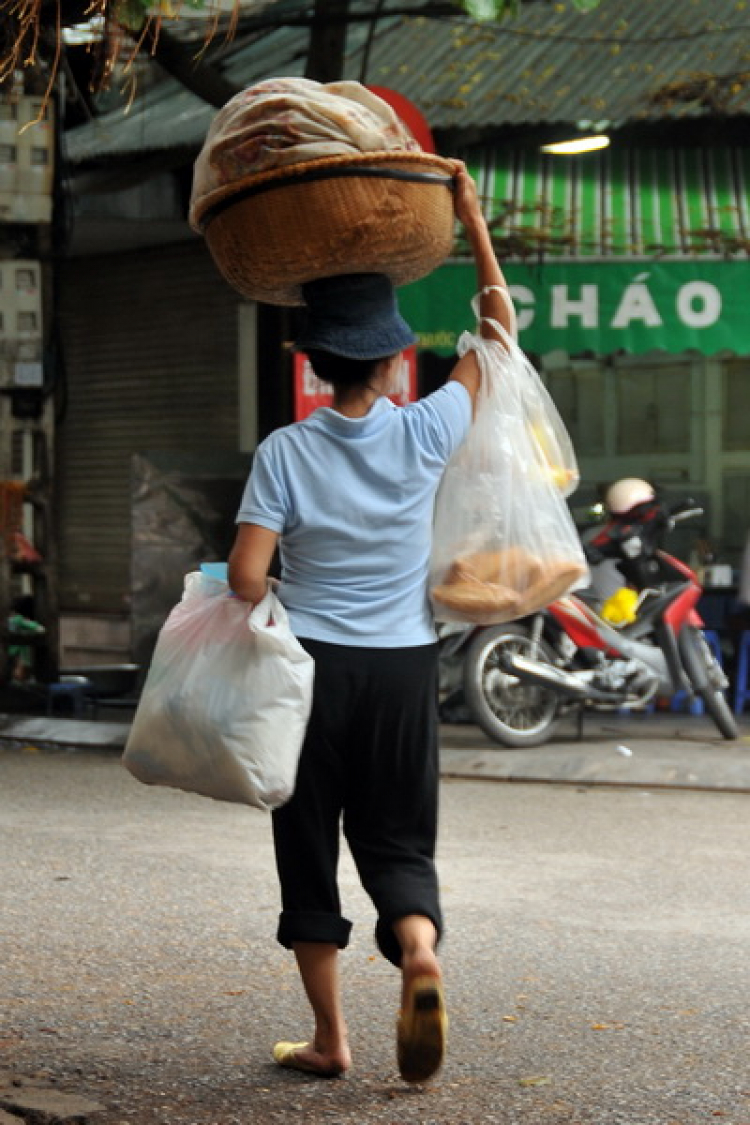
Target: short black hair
341,371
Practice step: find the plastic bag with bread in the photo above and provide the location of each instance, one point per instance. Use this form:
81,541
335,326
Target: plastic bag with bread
504,542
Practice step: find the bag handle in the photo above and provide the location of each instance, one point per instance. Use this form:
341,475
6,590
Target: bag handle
490,320
268,612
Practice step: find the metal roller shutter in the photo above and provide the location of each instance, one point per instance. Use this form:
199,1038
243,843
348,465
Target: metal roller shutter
150,358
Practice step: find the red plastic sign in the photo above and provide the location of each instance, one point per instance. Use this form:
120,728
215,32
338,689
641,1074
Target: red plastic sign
310,392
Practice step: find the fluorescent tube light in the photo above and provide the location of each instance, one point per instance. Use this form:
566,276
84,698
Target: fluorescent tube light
580,144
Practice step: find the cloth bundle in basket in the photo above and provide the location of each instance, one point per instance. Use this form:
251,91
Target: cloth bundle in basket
299,180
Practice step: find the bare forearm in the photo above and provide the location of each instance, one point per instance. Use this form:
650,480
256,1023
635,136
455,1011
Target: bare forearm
492,303
249,562
494,300
251,590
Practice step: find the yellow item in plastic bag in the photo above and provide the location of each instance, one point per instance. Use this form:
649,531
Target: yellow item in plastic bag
565,477
620,608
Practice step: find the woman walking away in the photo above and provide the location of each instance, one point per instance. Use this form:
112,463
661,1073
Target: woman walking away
348,495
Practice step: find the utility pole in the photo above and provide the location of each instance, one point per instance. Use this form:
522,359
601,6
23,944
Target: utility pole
325,56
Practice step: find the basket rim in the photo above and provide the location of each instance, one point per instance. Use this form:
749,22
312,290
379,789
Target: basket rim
216,201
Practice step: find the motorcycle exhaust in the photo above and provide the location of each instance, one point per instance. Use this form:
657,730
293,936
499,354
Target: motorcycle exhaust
565,683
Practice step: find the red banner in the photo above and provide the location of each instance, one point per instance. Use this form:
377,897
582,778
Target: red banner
310,392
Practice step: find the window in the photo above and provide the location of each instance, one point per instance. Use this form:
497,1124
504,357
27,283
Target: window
653,409
579,396
27,322
25,281
736,406
736,512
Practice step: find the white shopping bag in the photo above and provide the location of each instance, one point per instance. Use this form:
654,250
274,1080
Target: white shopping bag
226,702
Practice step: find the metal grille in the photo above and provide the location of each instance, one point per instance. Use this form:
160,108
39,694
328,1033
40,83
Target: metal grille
151,358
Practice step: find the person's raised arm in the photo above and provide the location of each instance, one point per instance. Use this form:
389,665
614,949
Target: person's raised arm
494,299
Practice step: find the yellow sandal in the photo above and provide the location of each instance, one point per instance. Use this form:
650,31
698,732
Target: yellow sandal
422,1030
285,1054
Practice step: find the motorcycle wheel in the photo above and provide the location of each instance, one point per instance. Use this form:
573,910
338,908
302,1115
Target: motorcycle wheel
703,669
513,713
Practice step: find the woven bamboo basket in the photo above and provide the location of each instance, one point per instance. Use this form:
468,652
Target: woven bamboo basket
386,212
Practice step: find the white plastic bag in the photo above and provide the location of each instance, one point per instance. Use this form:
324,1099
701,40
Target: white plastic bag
226,701
504,542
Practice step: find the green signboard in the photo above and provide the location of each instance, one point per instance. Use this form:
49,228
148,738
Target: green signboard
597,306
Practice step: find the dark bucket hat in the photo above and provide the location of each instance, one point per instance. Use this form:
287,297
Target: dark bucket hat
353,315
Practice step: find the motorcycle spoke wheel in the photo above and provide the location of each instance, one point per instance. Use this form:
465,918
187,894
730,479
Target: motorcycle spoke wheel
512,712
707,679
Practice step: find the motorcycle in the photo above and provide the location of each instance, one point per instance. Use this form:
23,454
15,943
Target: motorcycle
518,680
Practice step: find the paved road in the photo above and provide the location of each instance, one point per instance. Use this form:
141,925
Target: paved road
596,957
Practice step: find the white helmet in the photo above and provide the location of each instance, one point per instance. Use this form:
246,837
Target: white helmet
626,494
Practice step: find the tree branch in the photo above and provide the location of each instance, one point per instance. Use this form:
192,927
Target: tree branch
178,60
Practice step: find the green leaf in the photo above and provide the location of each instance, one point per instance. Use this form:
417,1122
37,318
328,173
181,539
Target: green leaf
132,13
490,9
496,9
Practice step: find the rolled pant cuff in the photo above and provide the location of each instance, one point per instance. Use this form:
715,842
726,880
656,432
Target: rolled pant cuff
387,942
311,925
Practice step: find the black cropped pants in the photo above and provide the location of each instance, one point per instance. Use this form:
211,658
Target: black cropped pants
369,763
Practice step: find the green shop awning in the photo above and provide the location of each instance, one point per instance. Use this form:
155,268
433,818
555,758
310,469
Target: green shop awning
617,202
621,249
597,306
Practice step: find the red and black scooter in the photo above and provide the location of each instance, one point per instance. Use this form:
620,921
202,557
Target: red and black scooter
519,679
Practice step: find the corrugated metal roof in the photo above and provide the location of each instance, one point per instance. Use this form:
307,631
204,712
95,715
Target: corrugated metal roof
628,61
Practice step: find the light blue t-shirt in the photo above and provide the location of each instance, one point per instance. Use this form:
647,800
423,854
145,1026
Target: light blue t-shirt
352,499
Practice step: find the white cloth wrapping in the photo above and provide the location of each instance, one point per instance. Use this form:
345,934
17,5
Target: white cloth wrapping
285,121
